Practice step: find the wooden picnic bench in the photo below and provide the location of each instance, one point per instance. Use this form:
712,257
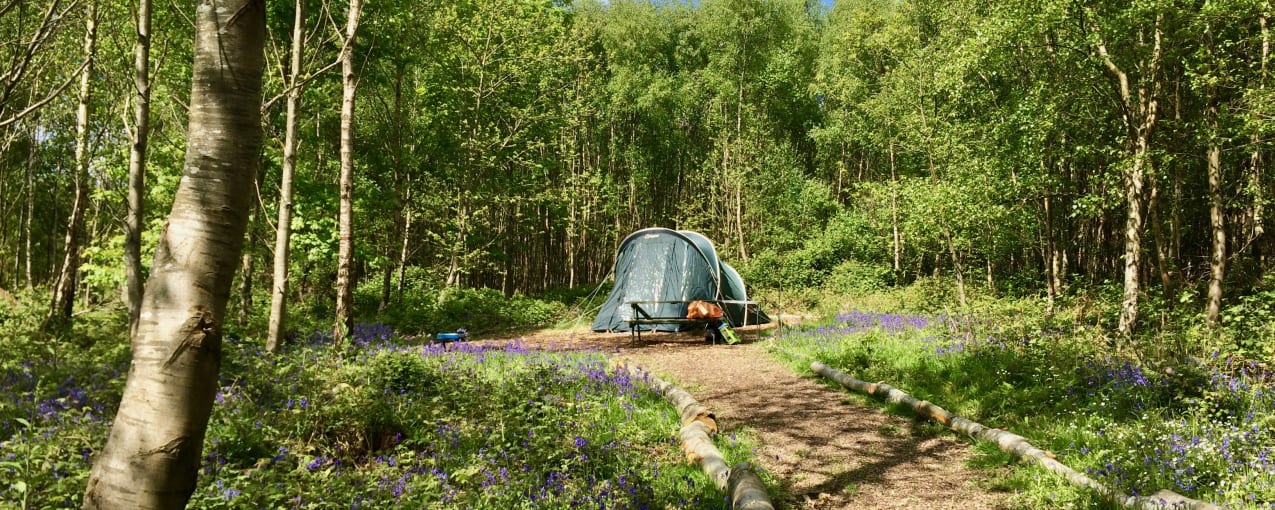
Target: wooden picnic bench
641,317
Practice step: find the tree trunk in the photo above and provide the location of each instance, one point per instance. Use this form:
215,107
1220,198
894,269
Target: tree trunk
64,291
283,230
247,266
1139,119
1256,186
135,219
26,222
956,266
407,234
1217,218
1132,244
248,263
345,254
1163,261
151,459
400,191
897,239
1051,256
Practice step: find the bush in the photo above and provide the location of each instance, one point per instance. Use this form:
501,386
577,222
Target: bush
425,307
854,277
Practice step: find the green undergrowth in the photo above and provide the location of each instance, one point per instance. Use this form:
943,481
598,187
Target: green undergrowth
1198,426
381,425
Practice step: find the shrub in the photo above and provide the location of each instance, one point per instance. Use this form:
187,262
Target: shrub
854,277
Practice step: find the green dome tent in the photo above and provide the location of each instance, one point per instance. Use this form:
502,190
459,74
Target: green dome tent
659,264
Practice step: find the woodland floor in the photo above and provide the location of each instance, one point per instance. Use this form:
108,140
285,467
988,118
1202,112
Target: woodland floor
826,450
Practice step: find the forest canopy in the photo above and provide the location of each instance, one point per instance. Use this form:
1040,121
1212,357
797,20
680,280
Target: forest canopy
1023,147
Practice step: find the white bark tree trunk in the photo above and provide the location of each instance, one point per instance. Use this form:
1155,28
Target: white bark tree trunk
30,197
151,459
345,253
283,230
1139,118
64,290
133,223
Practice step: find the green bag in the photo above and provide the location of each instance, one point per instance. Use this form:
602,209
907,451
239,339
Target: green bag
728,334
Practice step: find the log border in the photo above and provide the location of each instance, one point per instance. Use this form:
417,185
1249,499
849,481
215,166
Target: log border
1013,444
740,483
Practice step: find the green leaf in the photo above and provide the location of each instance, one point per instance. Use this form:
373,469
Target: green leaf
20,486
24,423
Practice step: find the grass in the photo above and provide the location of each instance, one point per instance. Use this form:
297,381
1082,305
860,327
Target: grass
1201,427
383,424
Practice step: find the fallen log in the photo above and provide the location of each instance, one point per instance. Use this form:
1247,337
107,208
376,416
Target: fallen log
1012,443
746,490
740,483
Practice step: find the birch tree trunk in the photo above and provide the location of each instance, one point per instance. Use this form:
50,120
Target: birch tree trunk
30,197
151,459
137,164
896,243
283,230
345,254
1139,118
64,290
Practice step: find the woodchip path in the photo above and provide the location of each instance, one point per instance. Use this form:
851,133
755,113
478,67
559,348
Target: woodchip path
826,451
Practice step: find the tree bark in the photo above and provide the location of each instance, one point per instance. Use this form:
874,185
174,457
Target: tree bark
1051,256
403,248
64,290
1256,186
400,192
345,254
1163,261
248,262
151,459
1139,116
133,223
897,239
957,267
30,197
1217,216
283,229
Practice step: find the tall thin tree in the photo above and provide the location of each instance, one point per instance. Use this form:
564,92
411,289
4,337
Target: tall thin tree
137,163
151,459
1139,104
345,225
64,290
283,231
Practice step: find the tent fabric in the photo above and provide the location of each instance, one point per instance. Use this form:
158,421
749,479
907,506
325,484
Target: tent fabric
660,264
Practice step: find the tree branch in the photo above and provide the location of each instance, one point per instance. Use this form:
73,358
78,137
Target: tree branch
18,116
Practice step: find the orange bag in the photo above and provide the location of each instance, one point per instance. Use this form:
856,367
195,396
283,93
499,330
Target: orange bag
703,310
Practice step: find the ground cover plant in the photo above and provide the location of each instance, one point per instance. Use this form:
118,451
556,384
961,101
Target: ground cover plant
379,424
1199,426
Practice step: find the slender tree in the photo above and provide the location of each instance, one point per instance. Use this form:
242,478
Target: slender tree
1139,105
283,229
137,163
151,459
345,222
64,290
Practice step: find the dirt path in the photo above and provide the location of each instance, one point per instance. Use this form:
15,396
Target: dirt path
827,451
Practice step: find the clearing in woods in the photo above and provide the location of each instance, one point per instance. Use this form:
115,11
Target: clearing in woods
826,450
